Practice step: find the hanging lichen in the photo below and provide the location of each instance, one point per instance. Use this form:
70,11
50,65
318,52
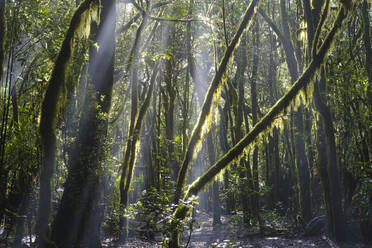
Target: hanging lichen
56,83
53,100
205,112
2,37
88,16
271,119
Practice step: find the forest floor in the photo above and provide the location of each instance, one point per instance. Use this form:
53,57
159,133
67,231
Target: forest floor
230,234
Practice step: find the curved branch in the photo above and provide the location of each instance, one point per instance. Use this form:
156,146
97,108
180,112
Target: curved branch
266,122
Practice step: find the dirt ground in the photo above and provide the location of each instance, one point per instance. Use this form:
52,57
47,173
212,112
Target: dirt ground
230,234
227,235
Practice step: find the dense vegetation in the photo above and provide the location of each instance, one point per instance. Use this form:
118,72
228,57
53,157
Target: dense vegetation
119,118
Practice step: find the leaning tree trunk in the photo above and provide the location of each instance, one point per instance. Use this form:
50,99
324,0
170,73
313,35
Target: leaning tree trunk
79,216
216,83
195,138
49,115
129,159
263,125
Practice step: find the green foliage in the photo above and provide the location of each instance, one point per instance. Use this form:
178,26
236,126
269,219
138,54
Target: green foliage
362,198
152,212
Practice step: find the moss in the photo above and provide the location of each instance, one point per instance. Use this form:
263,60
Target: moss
133,144
2,37
269,120
320,26
49,114
215,84
57,81
87,17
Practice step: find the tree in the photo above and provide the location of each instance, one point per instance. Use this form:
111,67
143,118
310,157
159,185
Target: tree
48,120
282,104
79,215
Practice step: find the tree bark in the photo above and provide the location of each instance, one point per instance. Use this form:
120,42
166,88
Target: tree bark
79,216
327,164
48,122
215,188
206,108
255,196
303,81
129,158
3,34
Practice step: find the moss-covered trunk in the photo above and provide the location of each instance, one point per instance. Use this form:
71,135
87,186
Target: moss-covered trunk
367,224
255,196
3,171
327,164
265,123
79,215
215,189
130,164
302,166
207,105
301,161
2,37
137,117
48,120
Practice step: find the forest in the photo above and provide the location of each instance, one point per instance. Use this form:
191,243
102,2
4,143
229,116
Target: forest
185,123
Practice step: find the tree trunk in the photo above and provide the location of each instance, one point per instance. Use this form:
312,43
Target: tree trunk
129,158
207,105
215,191
48,121
255,196
169,101
303,81
327,164
3,34
301,159
367,46
80,213
302,166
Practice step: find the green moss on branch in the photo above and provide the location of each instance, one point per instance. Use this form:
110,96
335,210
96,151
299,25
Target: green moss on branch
2,37
269,119
53,100
207,105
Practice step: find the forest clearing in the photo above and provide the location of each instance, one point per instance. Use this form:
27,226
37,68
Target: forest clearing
185,123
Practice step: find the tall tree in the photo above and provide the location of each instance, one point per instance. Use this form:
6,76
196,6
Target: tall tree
266,122
3,175
327,160
254,77
49,114
136,120
207,105
79,215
